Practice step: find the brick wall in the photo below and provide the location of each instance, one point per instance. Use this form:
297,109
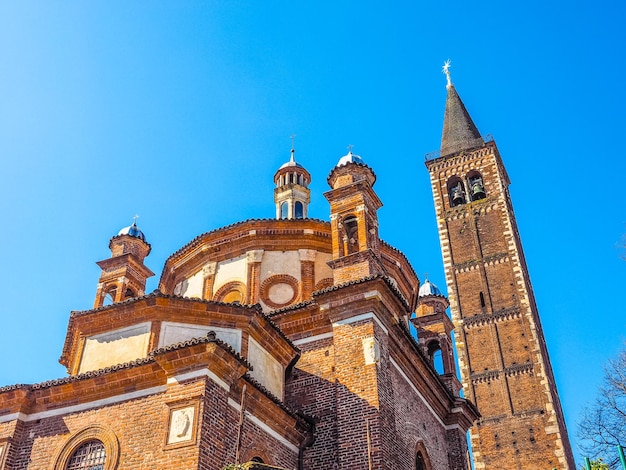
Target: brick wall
503,361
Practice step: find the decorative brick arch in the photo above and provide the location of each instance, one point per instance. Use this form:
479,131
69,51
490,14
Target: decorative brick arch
275,280
324,284
259,454
90,433
110,288
230,288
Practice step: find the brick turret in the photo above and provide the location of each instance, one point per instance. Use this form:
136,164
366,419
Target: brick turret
124,274
434,333
354,222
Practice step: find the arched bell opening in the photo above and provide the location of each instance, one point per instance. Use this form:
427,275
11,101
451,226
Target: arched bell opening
109,296
351,234
284,210
456,191
476,186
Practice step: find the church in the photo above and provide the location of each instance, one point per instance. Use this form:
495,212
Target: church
296,343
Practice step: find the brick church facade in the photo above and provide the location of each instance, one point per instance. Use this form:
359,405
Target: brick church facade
288,343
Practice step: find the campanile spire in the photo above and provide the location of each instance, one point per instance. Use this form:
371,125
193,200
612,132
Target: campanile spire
459,131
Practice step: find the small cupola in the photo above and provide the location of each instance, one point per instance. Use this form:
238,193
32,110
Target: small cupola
350,169
132,231
428,289
292,194
124,274
431,299
350,158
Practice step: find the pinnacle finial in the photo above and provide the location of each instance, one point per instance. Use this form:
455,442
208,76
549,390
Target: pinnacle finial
446,69
293,147
350,148
135,219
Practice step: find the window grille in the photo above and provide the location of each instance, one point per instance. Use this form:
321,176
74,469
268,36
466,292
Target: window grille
89,456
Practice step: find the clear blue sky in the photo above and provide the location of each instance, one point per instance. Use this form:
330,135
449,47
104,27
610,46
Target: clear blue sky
181,112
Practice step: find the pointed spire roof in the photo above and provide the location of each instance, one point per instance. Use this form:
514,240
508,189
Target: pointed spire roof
459,131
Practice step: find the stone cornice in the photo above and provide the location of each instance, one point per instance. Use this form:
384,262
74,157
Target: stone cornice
225,236
475,263
448,161
492,375
490,318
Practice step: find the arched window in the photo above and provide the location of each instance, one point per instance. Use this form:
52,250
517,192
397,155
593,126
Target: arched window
231,292
129,294
351,228
435,356
299,210
456,191
284,210
89,456
257,460
422,461
420,464
476,186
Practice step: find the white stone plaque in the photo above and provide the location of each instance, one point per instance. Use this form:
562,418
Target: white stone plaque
371,351
181,425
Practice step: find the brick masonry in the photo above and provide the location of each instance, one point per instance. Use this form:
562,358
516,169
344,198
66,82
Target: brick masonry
503,359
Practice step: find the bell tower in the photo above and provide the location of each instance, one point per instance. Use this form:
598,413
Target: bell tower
124,274
353,219
503,359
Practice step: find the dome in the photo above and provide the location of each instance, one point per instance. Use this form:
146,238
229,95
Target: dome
350,158
133,231
290,163
427,288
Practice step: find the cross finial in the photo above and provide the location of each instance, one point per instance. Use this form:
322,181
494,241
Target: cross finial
293,147
135,219
349,147
426,276
446,69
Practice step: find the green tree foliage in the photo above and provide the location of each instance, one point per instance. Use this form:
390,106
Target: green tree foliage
598,465
603,424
